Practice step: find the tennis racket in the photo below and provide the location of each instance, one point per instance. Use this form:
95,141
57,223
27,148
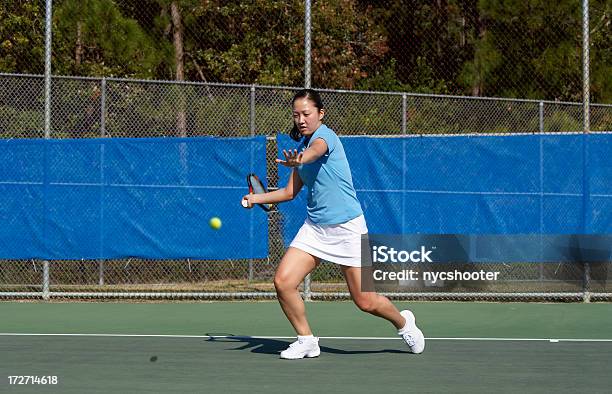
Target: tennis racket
256,187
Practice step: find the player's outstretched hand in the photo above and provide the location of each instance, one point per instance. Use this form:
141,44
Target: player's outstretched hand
292,158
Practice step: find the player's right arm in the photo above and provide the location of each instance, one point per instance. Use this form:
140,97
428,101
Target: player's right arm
288,193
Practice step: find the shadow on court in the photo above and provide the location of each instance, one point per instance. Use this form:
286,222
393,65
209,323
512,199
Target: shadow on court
275,346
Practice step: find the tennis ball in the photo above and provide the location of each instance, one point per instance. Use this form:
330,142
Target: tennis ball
215,223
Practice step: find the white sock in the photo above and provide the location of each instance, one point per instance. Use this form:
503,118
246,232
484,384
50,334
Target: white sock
401,330
305,337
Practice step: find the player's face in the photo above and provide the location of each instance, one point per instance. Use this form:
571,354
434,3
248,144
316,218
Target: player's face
306,116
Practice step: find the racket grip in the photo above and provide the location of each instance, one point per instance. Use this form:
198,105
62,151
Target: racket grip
245,203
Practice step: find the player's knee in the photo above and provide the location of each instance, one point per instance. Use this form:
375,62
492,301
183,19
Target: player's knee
282,283
365,303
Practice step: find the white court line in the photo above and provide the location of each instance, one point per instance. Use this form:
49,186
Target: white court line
293,337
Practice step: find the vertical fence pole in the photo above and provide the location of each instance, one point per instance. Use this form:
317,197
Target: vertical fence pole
252,112
45,282
48,69
101,272
307,29
48,10
307,78
404,116
252,128
587,126
541,176
585,65
103,108
541,116
102,134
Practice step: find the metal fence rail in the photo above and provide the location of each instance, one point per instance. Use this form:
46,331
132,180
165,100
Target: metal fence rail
111,107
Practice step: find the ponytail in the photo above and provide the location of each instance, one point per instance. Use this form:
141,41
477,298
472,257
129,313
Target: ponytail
295,133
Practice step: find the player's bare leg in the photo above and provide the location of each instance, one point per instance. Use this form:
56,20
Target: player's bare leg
294,266
375,304
291,271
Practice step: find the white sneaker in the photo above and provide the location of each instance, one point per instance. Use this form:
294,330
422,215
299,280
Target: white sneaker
303,347
411,334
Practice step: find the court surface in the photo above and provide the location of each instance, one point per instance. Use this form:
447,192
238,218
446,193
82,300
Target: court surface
226,347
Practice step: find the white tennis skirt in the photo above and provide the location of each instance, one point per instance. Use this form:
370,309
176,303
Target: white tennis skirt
336,243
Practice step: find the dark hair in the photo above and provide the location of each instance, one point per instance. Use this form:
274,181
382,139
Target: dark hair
311,95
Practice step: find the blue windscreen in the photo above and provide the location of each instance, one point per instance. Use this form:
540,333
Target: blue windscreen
516,184
114,198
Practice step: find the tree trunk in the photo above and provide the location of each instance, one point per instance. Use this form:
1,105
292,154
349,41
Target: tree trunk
441,26
78,52
478,85
179,60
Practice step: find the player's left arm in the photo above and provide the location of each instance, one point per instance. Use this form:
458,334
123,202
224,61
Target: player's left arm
317,149
293,159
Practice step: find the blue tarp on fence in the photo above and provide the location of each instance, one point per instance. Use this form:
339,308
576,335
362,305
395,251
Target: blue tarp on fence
145,197
516,184
153,198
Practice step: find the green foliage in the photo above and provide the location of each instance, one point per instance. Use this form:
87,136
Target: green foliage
19,123
480,72
601,51
347,44
22,36
564,120
511,48
112,45
532,49
384,80
247,42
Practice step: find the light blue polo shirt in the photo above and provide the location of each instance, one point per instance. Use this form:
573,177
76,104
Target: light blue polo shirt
331,195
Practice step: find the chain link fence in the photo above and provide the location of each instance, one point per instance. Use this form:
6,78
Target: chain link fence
109,107
530,49
220,68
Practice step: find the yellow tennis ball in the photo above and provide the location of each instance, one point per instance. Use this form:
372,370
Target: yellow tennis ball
215,223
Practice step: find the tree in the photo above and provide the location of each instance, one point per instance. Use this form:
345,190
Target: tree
601,51
529,49
92,37
262,41
428,43
22,32
348,45
506,48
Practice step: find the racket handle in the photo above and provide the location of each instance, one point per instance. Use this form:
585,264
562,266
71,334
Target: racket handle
245,203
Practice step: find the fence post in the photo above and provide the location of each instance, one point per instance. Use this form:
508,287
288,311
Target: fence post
404,117
307,46
541,176
586,288
48,43
102,134
252,129
307,78
45,282
541,116
252,111
103,107
585,65
587,126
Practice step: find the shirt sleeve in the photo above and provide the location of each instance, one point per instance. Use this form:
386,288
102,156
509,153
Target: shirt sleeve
328,136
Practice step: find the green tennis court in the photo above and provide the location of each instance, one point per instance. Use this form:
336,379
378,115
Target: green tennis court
234,347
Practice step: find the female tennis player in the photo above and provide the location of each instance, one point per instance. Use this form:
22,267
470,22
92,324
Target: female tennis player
332,230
